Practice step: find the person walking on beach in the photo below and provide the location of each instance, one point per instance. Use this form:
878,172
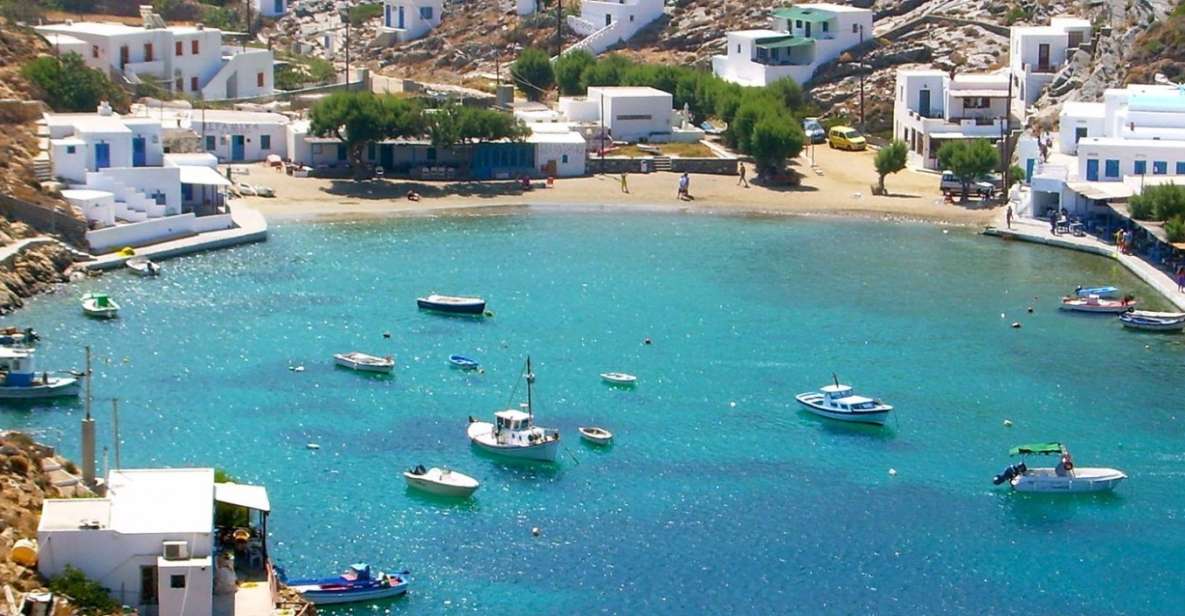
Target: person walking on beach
1008,215
743,179
625,186
684,187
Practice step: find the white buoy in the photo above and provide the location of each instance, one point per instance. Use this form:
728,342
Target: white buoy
298,369
1016,325
892,472
1002,315
536,532
732,404
312,446
1007,423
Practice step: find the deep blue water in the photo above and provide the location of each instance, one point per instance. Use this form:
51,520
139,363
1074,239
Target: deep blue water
719,495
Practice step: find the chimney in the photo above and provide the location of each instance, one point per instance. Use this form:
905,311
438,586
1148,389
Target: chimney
104,108
201,26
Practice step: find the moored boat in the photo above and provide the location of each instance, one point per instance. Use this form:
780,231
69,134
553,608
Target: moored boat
142,266
596,435
441,481
354,585
16,336
1063,477
452,304
464,363
99,305
1153,321
1096,304
619,378
840,402
514,433
364,362
1104,292
19,378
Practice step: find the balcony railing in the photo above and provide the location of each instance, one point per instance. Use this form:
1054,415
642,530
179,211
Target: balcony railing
935,114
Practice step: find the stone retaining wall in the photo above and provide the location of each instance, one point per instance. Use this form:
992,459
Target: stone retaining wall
54,221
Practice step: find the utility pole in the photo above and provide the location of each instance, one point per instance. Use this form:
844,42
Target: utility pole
1006,155
115,429
861,48
249,17
559,28
347,49
88,431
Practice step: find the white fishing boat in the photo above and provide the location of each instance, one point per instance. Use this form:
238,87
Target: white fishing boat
514,433
441,481
619,378
1095,304
1064,477
1153,321
840,402
596,435
142,266
99,305
19,378
452,304
364,362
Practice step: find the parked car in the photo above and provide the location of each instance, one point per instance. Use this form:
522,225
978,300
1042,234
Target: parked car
815,133
846,138
985,186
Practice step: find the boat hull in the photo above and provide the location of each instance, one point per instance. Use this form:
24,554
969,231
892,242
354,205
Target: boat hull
1102,292
876,418
440,489
1100,308
1152,324
476,307
462,362
596,439
346,362
335,597
619,378
1078,481
56,388
481,435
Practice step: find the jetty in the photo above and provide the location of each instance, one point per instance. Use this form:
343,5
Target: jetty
250,226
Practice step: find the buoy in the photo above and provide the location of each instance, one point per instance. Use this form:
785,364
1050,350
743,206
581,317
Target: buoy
732,404
536,532
386,334
647,340
1030,310
1007,423
1016,325
1001,315
312,446
489,313
298,369
892,472
945,231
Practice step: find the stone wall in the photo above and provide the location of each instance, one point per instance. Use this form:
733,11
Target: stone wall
713,166
58,221
15,111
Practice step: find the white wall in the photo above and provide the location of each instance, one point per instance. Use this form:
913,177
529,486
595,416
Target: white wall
580,109
1127,154
203,65
1067,130
415,23
571,166
252,133
120,149
153,231
150,130
66,165
149,180
195,597
271,8
239,78
628,15
632,116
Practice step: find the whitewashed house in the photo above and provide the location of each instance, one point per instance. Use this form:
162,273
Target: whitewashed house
229,134
630,114
931,108
407,20
152,543
1106,151
801,38
271,8
1037,53
189,60
605,23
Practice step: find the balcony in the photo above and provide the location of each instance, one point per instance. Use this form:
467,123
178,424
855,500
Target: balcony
154,69
1042,68
935,114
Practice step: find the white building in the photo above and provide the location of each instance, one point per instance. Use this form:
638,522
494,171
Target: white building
271,8
630,114
1037,53
1108,150
408,20
559,151
930,108
183,59
605,23
231,135
802,38
151,541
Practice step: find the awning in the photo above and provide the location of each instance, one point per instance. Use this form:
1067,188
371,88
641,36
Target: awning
202,175
805,14
251,497
980,93
1035,448
1101,191
785,42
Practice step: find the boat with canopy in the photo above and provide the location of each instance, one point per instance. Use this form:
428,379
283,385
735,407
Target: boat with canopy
1063,477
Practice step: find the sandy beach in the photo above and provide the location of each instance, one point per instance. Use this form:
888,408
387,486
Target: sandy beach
840,184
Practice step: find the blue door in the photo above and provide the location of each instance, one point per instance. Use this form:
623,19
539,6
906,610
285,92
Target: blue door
400,18
924,103
102,155
1029,166
1092,170
138,153
279,7
237,147
387,15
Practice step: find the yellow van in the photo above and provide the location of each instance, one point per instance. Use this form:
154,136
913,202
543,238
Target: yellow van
845,138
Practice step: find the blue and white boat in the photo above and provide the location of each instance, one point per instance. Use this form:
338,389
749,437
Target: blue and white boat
16,336
514,433
19,378
1153,321
451,304
1103,292
464,363
354,585
841,403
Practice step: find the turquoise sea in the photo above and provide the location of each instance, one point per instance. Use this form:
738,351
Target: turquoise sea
719,496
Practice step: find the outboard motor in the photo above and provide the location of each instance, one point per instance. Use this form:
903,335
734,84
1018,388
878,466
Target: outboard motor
1009,473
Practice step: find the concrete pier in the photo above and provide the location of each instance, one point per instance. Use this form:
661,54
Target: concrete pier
250,226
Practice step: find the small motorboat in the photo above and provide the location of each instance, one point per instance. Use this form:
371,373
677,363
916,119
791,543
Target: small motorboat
143,266
1098,305
363,362
1153,321
17,336
1063,478
595,435
514,433
441,481
464,363
452,304
837,401
619,378
355,584
19,378
1103,292
99,305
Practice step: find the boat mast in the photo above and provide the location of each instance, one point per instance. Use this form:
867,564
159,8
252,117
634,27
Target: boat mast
530,381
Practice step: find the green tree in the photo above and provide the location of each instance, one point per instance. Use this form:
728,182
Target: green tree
86,595
788,92
455,124
533,73
68,84
1174,228
969,160
775,138
568,69
890,159
359,118
607,71
1161,202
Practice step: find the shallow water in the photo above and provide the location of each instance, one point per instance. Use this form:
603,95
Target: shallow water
719,494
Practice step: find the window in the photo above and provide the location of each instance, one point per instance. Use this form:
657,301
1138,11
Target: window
259,79
976,102
564,159
855,28
265,142
159,198
738,48
1160,167
316,148
176,581
193,47
635,117
148,585
211,143
179,85
148,52
825,24
797,23
1180,168
94,51
179,48
426,12
341,151
1111,168
1141,167
70,150
193,84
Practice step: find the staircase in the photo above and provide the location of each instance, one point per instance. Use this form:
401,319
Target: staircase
130,204
662,163
43,168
